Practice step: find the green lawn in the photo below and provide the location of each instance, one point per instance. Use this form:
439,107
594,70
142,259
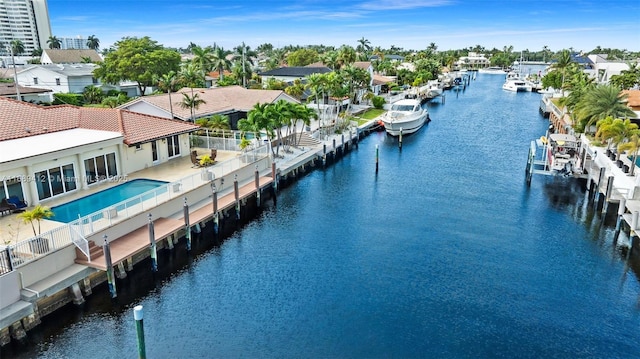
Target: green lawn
371,114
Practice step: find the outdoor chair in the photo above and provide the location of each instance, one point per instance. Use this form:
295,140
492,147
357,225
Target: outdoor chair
194,159
5,207
17,202
214,153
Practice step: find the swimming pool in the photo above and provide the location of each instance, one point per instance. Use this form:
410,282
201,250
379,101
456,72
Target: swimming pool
81,207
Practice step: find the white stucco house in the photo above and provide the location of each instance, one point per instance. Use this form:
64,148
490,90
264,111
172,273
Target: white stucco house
49,152
69,78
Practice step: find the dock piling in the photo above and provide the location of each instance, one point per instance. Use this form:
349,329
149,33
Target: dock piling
214,200
187,225
152,248
236,192
377,151
138,315
111,280
607,197
400,139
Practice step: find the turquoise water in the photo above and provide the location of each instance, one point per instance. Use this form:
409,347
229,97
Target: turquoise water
81,207
445,253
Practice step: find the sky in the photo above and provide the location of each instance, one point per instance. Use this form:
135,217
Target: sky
530,25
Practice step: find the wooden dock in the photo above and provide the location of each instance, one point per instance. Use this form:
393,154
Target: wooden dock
138,241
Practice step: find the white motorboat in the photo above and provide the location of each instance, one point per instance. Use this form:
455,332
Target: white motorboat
434,89
516,85
405,115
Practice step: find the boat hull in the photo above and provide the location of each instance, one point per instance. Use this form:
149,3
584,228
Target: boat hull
406,126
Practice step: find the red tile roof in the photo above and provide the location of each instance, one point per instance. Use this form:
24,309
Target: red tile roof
633,98
22,119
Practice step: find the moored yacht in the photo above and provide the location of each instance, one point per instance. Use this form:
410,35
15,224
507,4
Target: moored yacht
516,85
406,116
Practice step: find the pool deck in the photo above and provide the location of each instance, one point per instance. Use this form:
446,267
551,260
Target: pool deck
13,229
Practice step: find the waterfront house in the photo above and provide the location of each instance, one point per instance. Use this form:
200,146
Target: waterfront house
231,101
49,152
69,78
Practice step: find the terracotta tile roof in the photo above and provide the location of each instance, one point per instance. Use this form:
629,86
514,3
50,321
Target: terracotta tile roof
219,100
22,119
633,98
381,80
362,64
71,56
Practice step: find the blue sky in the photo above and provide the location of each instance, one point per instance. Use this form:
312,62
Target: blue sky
409,24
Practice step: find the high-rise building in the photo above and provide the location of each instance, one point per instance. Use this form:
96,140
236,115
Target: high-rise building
73,43
24,20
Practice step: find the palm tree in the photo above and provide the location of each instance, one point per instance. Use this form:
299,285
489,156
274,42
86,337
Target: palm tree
364,46
600,102
17,46
191,102
258,119
616,131
316,83
54,42
564,61
220,61
168,81
346,56
92,94
632,145
244,55
93,43
203,58
37,214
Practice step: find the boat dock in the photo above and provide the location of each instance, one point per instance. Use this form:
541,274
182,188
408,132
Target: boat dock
118,240
612,180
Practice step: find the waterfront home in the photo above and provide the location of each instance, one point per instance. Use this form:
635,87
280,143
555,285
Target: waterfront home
231,101
49,152
69,78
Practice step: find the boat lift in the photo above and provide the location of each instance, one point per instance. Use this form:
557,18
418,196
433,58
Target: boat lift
557,154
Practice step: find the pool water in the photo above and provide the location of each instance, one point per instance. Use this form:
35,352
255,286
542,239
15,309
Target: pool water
81,207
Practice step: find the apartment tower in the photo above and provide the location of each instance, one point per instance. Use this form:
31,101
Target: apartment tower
25,20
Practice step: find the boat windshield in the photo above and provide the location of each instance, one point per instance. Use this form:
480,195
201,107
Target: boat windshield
402,108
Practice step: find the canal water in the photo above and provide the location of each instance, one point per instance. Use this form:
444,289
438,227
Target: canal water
443,253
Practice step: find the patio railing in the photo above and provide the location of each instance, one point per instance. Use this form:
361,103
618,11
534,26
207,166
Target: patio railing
77,231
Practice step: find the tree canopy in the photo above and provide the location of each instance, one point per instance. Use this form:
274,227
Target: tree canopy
137,59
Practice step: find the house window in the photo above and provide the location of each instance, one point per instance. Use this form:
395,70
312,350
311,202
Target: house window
35,80
94,80
173,146
154,151
55,181
57,81
12,186
100,168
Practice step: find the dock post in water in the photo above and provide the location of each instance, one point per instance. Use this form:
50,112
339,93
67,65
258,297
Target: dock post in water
152,248
274,175
599,184
214,199
111,279
187,225
621,210
139,318
400,139
632,232
236,191
607,197
377,158
257,180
